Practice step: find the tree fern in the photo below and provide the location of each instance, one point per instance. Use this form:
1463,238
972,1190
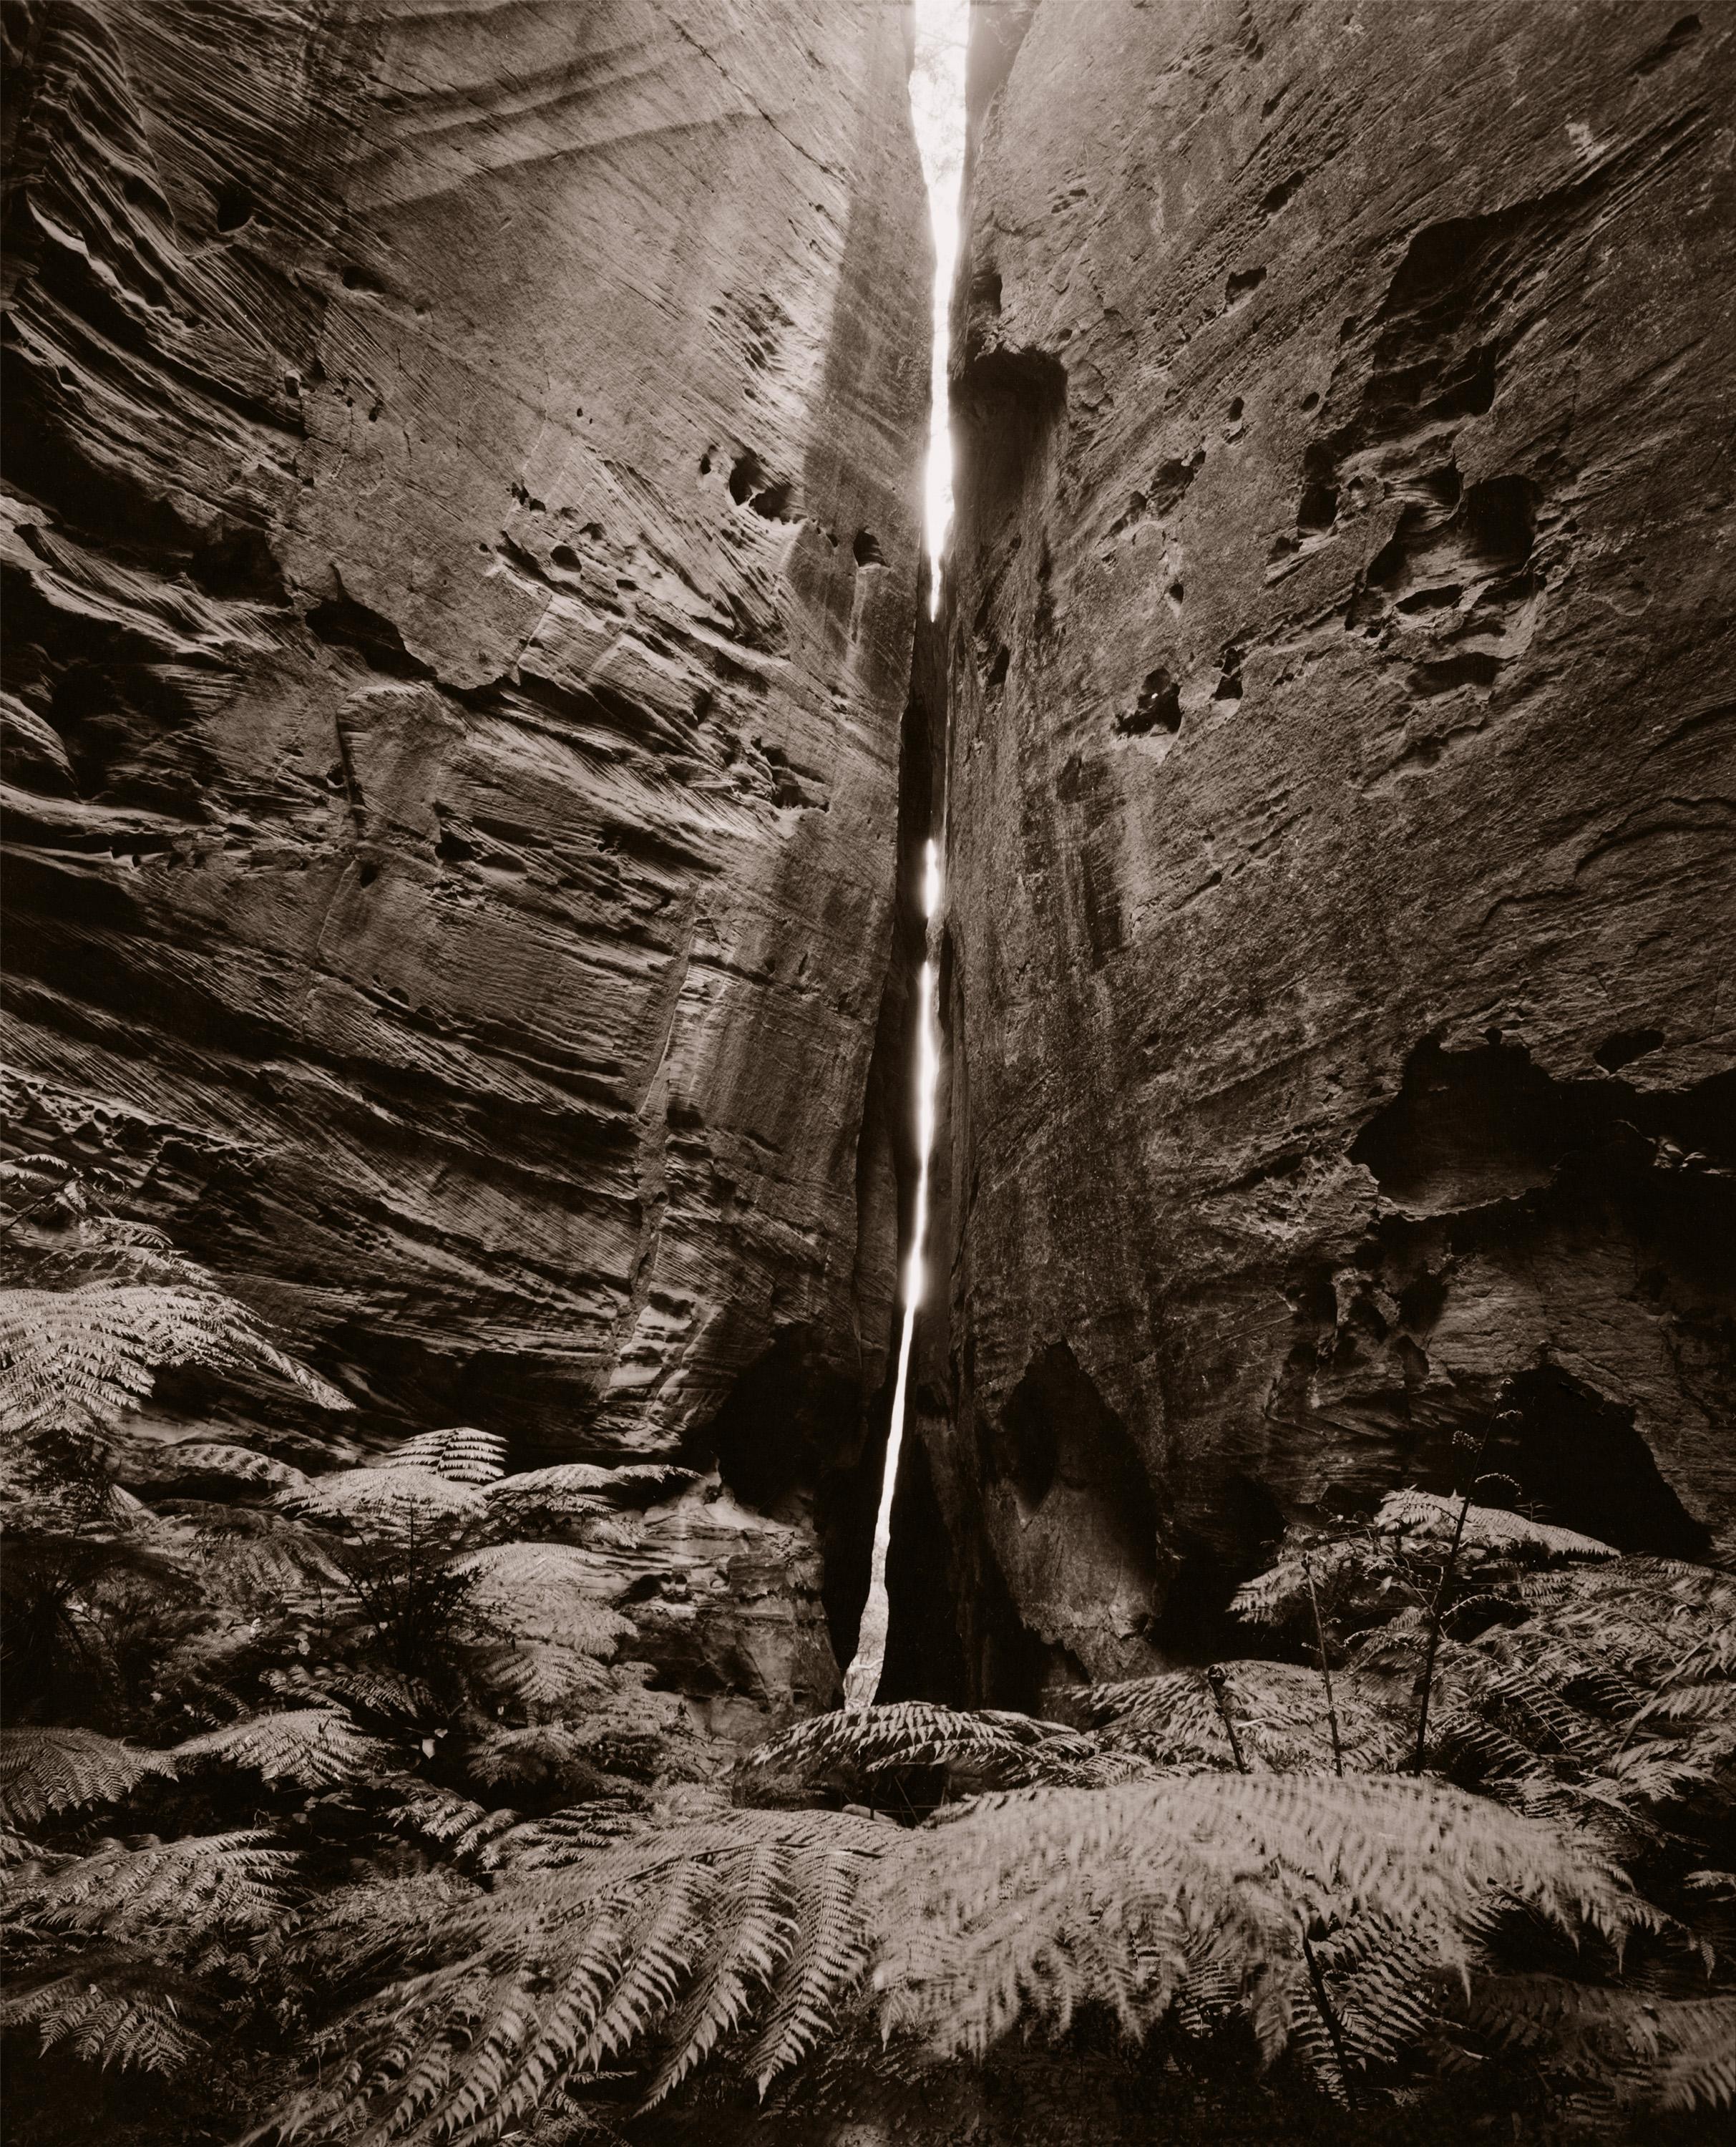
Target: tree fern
118,2009
199,1886
313,1747
78,1359
635,1483
545,1593
1187,1898
394,1505
1247,1715
988,1747
1635,2050
234,1465
48,1770
1035,1902
1424,1514
542,1755
680,1933
460,1454
1607,1706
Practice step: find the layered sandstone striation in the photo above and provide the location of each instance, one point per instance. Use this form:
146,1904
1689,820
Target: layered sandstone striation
1341,823
462,557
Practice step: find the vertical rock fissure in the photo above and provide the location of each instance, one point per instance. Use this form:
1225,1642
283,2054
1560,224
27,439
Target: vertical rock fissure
937,99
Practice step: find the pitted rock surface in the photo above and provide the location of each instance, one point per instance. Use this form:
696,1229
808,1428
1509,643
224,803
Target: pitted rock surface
462,553
1341,826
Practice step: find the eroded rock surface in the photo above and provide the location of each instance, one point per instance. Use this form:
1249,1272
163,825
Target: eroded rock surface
462,556
1341,819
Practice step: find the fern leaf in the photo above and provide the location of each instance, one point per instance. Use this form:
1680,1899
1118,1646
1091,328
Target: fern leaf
988,1745
122,2011
459,1453
678,1933
196,1886
44,1770
1277,1712
77,1359
391,1504
546,1593
313,1747
235,1465
635,1484
990,1915
1422,1513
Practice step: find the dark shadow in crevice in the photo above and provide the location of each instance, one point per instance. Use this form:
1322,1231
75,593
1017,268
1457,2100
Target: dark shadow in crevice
792,1440
1195,1624
924,1653
1580,1459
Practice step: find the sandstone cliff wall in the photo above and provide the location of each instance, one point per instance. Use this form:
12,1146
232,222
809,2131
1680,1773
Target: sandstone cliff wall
462,556
463,553
1342,788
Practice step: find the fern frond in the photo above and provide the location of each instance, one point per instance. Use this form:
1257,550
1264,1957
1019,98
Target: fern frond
990,1916
191,1888
235,1464
313,1747
44,1770
459,1453
1277,1717
635,1484
546,1592
77,1359
989,1745
680,1934
1423,1513
1647,2051
390,1504
262,1557
122,2011
461,1832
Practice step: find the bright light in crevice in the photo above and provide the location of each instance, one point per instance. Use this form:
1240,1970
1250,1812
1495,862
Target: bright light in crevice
937,107
862,1680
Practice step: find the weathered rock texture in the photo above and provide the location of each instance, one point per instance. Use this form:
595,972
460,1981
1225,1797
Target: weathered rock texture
1342,788
461,559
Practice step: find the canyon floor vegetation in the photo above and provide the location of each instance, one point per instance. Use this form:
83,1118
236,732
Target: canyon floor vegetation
334,1811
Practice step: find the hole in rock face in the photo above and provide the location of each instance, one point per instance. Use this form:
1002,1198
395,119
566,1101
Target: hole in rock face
1158,707
1580,1457
867,549
1501,519
235,206
342,622
788,1441
1318,508
1678,35
1470,1127
1625,1046
1007,405
1080,1488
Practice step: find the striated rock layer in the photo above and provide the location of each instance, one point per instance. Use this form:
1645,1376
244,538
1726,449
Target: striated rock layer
461,556
1342,817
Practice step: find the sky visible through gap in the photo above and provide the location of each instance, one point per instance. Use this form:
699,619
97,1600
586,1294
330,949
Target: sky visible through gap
936,104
